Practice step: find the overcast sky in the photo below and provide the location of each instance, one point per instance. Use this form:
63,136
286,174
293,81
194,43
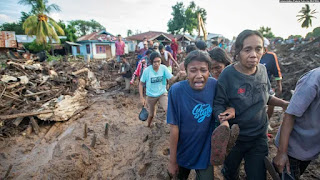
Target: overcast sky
228,18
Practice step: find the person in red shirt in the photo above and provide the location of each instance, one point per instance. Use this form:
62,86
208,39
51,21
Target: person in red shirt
120,45
174,47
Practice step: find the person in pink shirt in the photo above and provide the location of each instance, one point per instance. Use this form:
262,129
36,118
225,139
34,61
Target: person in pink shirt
119,47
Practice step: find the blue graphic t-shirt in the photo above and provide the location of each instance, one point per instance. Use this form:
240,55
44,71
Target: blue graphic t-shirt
191,111
156,82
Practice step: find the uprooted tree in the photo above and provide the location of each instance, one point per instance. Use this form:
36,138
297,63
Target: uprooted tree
185,19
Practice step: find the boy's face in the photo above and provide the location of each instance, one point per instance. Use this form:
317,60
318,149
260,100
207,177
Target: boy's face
197,74
156,63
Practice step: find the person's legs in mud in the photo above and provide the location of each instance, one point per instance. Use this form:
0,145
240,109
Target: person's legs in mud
163,100
119,80
254,159
118,62
151,106
127,82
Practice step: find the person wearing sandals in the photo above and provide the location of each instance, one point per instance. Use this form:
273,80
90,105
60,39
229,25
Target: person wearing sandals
192,122
245,87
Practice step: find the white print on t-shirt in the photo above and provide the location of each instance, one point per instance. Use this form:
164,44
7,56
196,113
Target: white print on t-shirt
156,79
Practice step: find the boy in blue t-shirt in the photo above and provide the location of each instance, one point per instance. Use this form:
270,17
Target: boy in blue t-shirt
190,117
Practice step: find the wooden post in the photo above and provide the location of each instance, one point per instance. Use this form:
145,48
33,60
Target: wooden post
93,141
35,125
17,121
106,130
85,132
8,172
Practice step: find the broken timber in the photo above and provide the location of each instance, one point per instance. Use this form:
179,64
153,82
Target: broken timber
13,116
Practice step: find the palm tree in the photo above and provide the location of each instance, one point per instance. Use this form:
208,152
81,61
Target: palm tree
129,32
39,23
306,16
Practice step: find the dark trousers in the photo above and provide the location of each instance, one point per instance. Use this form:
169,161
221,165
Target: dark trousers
297,168
202,174
253,153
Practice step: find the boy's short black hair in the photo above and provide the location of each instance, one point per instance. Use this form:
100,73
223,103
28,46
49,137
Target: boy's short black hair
201,45
190,48
153,56
119,35
161,47
215,43
197,55
149,51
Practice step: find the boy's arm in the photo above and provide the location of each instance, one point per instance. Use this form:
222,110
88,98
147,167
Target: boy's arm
274,101
170,55
180,75
142,100
220,100
281,159
174,137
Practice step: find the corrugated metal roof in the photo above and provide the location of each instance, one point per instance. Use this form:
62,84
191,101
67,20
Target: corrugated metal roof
29,39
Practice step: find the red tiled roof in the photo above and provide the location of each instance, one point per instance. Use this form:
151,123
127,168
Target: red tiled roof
149,35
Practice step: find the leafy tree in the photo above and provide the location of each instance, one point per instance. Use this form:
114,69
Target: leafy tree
86,27
34,47
15,26
315,33
294,36
305,16
69,31
39,23
266,32
185,19
129,32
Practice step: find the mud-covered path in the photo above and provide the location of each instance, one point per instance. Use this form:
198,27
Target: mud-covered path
131,150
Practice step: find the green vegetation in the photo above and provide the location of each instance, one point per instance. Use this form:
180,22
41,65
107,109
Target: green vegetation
34,47
305,16
266,32
315,33
15,26
185,19
39,23
69,30
86,27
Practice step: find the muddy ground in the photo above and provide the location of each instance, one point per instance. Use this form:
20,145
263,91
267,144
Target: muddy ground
131,150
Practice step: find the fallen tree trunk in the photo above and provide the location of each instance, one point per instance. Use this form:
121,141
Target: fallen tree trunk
13,116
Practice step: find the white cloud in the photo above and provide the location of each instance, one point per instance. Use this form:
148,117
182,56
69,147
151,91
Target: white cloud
4,18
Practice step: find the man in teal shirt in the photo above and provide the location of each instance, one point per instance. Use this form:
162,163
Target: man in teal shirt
155,78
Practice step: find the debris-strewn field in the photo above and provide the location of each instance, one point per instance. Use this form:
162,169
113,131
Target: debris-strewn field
90,128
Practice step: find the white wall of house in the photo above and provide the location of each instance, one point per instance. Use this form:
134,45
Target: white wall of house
93,50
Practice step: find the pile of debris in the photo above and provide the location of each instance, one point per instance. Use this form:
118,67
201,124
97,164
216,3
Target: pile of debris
32,91
296,61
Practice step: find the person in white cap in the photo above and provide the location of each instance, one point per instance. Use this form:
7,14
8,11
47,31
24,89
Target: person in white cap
270,60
